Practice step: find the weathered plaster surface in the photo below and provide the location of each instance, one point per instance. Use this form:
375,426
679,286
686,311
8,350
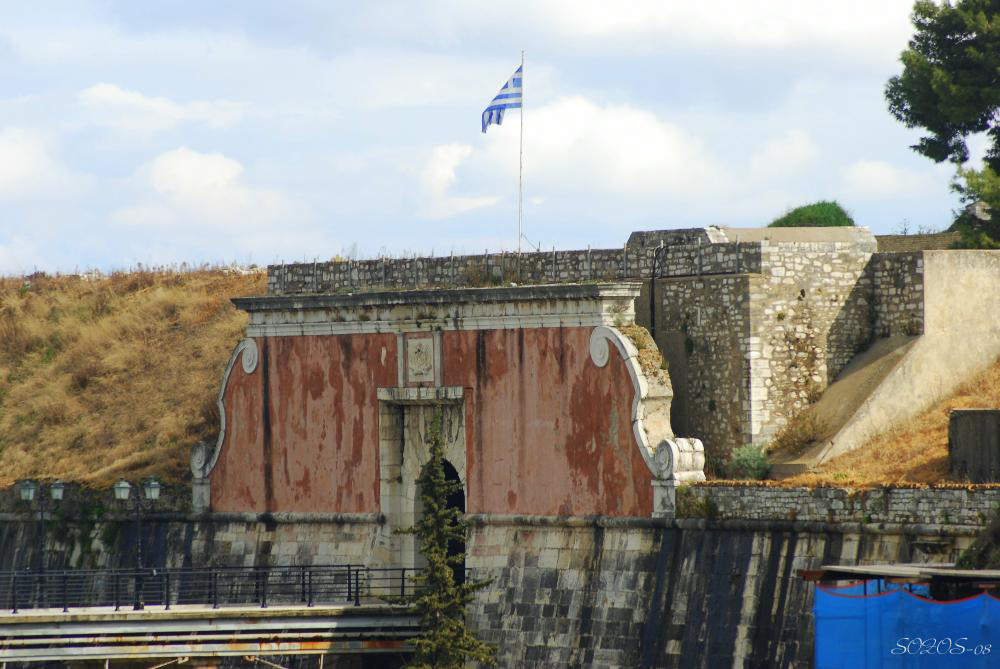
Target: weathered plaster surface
302,429
546,430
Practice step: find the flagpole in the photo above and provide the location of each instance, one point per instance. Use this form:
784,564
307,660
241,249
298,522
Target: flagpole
520,169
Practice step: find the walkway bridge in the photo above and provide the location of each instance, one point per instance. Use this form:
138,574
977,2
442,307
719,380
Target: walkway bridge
169,614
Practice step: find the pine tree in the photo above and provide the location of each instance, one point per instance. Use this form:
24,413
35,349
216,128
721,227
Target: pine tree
949,84
438,599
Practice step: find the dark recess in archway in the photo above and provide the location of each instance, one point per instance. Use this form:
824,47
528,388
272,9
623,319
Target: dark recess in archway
456,501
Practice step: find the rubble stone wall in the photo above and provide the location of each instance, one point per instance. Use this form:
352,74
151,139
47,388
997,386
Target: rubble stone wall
628,262
969,506
897,281
809,316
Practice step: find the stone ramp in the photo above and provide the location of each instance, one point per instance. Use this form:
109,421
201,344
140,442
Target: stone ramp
961,338
842,399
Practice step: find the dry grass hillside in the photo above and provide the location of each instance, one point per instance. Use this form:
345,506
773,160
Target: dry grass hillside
914,453
113,376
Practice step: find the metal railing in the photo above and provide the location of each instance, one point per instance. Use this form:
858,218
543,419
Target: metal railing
209,586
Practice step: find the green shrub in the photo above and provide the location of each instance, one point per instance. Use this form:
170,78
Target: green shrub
748,462
816,215
976,233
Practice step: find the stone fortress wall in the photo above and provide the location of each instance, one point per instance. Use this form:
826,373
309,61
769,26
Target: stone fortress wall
718,586
754,323
685,253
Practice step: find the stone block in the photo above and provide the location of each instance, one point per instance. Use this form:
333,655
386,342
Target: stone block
974,445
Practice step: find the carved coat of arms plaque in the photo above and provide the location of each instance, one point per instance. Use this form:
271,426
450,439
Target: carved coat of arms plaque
420,360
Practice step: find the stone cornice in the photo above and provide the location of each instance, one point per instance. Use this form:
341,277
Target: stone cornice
451,296
549,306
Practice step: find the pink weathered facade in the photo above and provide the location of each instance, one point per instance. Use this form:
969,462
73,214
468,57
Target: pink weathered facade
302,427
323,400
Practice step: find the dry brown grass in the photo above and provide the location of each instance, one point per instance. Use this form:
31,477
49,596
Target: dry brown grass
914,453
115,376
799,433
650,359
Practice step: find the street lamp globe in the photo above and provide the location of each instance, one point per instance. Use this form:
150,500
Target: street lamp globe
56,491
122,489
151,489
28,490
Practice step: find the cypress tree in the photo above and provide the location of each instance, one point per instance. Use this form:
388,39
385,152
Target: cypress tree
438,599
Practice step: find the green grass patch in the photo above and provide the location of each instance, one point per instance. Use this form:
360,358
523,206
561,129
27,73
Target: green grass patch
822,214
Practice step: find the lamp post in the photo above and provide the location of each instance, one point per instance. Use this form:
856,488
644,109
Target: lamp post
29,490
151,491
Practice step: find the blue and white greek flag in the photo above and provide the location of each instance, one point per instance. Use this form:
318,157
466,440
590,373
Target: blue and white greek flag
509,97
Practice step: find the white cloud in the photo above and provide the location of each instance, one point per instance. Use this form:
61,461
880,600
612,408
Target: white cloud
28,170
438,176
875,179
778,23
195,189
388,78
784,155
194,204
132,112
574,143
850,25
276,79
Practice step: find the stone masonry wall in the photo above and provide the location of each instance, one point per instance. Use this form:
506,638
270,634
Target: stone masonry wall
927,242
719,588
926,506
249,542
678,259
811,307
464,270
702,326
820,279
692,593
898,293
747,352
809,317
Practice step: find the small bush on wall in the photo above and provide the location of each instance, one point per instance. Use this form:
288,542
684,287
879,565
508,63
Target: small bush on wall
820,214
748,462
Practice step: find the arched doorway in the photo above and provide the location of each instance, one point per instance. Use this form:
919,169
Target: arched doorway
456,500
403,450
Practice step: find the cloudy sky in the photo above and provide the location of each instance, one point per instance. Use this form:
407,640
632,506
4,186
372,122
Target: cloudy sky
164,132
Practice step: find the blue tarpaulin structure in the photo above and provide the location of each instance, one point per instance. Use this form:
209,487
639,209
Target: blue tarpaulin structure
872,625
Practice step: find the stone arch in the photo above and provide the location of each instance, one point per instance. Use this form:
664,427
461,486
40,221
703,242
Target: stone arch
403,451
